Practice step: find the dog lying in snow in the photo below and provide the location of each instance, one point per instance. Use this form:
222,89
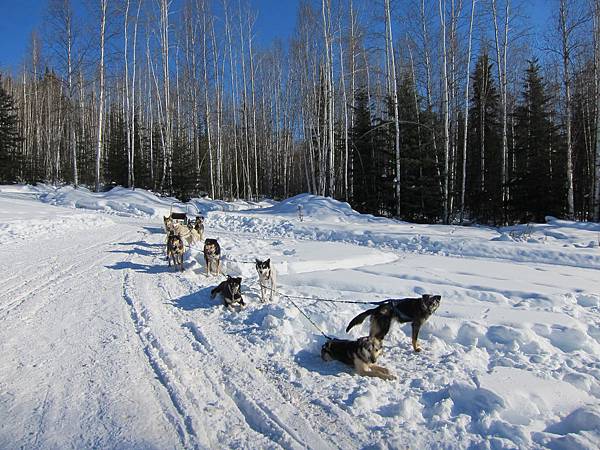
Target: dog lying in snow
361,354
212,256
266,278
175,250
231,291
415,310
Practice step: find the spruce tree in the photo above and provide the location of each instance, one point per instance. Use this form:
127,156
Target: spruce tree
10,158
411,174
539,185
484,184
361,139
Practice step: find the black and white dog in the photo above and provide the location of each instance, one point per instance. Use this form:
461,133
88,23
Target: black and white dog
266,278
361,354
231,291
415,310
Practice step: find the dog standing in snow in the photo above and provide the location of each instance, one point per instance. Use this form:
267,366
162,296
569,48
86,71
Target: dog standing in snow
199,227
212,256
175,250
231,291
266,278
415,310
168,224
187,233
361,354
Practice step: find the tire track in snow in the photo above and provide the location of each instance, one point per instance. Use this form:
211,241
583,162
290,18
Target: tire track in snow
57,275
263,409
203,408
43,268
181,421
228,378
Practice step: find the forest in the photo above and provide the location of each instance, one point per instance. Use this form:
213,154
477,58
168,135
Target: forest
431,111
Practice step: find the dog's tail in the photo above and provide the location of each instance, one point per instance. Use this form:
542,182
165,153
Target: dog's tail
360,318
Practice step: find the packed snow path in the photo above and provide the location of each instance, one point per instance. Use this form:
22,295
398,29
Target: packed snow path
93,369
105,346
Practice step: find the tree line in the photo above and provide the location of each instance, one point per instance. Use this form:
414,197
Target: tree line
425,110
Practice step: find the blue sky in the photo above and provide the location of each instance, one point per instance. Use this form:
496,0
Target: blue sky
276,18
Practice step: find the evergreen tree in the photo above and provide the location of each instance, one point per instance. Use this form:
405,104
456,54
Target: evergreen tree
10,158
115,166
484,184
411,164
420,195
365,180
539,184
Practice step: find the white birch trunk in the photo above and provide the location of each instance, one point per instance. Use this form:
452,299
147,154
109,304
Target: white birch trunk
566,51
394,93
104,4
466,113
445,107
596,200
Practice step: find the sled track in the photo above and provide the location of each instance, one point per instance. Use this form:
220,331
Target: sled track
160,366
83,262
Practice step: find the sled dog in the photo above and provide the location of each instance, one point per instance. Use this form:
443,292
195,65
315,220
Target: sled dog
212,256
175,250
199,227
361,354
266,278
187,233
415,310
231,291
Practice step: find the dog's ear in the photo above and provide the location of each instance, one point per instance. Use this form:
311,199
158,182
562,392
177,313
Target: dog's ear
268,262
425,297
257,261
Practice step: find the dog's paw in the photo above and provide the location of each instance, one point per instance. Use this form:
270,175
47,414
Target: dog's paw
418,349
391,377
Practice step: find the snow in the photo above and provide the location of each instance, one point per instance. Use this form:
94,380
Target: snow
105,346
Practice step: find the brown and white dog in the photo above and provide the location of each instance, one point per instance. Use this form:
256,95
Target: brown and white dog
361,354
175,250
212,256
187,233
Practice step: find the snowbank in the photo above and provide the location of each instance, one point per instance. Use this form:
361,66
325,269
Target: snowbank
20,221
119,200
318,208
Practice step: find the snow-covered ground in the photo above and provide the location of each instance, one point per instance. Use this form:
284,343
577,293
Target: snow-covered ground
104,346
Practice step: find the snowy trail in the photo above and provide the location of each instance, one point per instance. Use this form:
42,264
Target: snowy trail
221,392
205,391
72,374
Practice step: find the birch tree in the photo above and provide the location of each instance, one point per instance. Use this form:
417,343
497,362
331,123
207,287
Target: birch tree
501,58
394,93
103,7
445,107
466,118
596,22
565,34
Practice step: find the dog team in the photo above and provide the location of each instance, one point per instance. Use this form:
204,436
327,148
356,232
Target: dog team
361,354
